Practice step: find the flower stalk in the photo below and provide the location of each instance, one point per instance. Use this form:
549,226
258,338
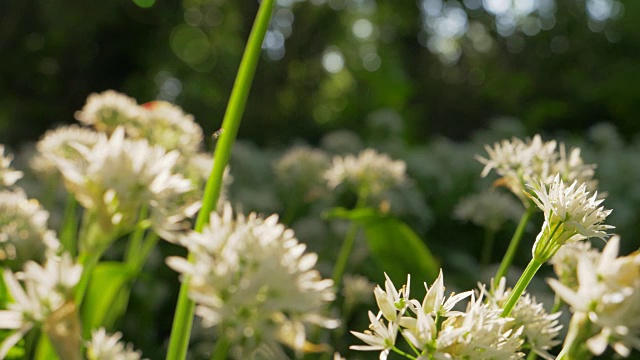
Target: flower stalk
521,285
181,329
507,260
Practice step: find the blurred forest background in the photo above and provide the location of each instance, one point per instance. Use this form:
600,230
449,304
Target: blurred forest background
426,81
443,67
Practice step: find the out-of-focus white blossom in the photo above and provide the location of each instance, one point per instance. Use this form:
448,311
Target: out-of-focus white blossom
47,293
23,231
520,162
489,209
565,261
159,122
117,177
61,143
571,214
300,170
251,279
606,303
369,173
8,176
540,329
103,346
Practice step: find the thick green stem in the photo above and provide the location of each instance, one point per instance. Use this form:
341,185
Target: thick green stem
521,285
513,245
221,349
183,319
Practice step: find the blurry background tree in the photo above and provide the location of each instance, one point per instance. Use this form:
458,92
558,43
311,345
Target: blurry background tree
446,67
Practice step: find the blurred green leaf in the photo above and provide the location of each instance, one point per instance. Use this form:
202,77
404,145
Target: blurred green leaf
395,247
107,282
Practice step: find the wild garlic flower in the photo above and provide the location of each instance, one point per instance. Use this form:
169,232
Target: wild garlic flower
565,262
8,176
24,234
61,143
300,170
540,329
519,162
159,122
571,214
606,303
435,330
103,346
251,279
46,294
488,209
370,173
117,177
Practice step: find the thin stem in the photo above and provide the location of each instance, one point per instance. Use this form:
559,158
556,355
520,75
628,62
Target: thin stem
398,351
487,248
183,319
135,240
69,232
532,355
521,285
347,245
513,245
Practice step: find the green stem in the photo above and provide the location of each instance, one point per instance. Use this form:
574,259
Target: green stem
532,355
347,245
135,239
183,319
221,349
487,248
69,231
513,245
521,285
398,351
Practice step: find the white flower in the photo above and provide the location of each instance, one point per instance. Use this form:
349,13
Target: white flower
61,143
356,290
103,346
540,330
159,122
369,172
481,333
301,170
23,230
607,300
46,290
489,209
434,302
118,177
519,162
378,338
252,280
571,214
108,110
392,303
565,261
8,176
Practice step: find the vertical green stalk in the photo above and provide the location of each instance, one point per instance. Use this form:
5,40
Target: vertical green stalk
183,319
347,245
521,285
513,245
69,231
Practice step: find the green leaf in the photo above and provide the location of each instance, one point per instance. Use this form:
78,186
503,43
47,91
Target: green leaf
394,246
108,279
45,350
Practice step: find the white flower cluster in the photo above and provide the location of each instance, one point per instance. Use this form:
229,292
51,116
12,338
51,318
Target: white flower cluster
435,330
571,214
540,329
606,303
520,162
370,173
117,177
47,290
103,346
158,122
8,176
24,234
252,280
489,209
60,143
301,170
